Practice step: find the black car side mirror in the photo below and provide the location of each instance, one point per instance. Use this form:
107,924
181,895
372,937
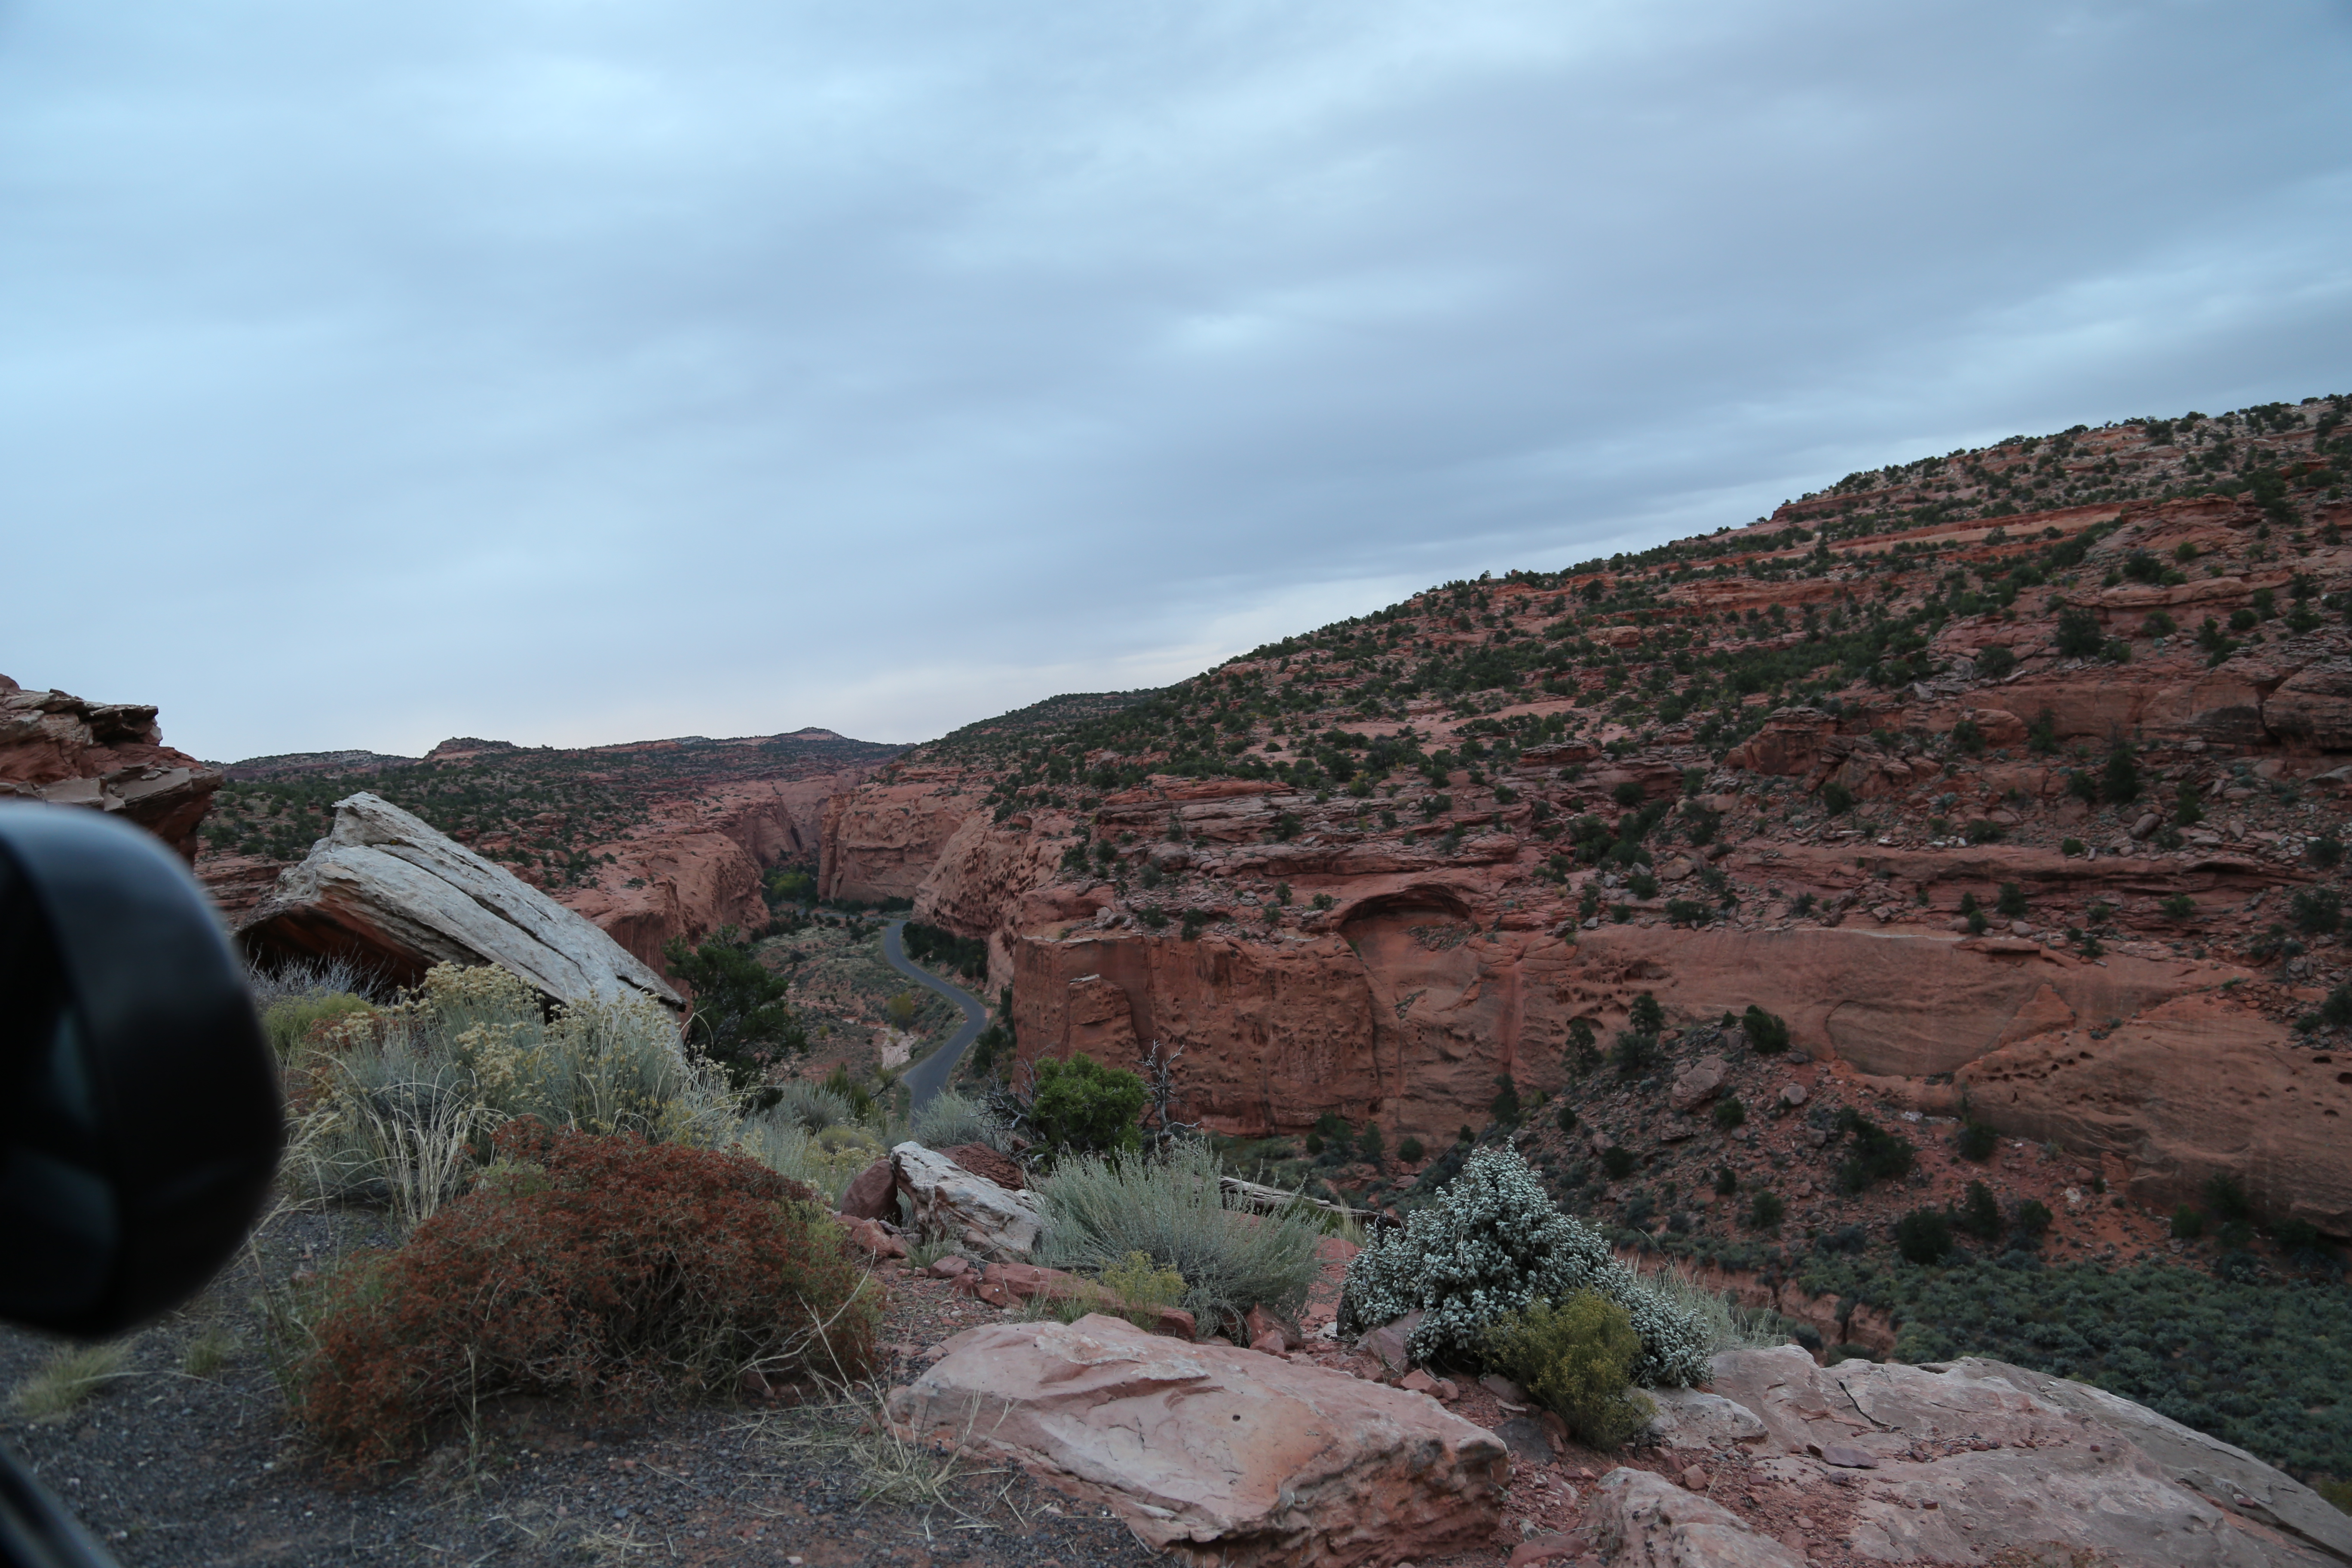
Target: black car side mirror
140,1114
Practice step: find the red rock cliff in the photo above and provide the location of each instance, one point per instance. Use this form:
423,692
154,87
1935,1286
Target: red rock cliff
1316,945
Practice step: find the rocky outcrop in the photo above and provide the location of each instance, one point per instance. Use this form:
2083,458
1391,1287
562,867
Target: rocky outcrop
1945,1463
951,1203
881,842
107,756
1212,1453
384,890
696,864
1642,1521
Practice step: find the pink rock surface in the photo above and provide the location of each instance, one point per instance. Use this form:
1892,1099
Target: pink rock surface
1214,1453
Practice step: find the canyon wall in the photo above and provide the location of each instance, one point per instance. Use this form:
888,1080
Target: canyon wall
1310,960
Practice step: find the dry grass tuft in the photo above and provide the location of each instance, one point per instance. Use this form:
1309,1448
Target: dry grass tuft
72,1374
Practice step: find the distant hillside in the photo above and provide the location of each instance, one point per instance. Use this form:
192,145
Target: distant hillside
1055,713
530,807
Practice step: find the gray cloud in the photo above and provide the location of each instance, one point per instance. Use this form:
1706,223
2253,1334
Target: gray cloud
571,372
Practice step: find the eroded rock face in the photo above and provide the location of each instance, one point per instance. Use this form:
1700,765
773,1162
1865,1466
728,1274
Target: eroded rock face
952,1204
881,842
390,892
1216,1454
108,756
1952,1461
697,862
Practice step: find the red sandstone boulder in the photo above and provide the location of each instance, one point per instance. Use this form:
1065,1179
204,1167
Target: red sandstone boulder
874,1194
871,1239
1211,1452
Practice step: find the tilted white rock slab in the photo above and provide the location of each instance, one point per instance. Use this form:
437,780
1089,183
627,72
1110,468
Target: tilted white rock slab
384,874
952,1204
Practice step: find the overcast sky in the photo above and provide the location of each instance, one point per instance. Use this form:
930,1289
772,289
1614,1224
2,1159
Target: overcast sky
593,370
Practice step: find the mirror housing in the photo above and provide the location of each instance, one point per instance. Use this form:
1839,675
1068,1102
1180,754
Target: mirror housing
141,1119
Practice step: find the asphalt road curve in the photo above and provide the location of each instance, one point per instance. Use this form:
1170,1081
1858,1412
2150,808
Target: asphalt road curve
930,1074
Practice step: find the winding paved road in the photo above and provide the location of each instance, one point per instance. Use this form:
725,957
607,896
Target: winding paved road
930,1074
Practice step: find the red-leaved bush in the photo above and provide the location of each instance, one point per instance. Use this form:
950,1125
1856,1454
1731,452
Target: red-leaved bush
602,1268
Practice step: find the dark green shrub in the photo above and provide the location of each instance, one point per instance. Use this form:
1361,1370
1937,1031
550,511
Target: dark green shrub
2032,1219
1567,1117
1578,1358
1878,1155
1618,1161
1979,1214
2072,847
1583,1047
1726,1180
1968,739
1995,662
741,1017
2326,851
2338,1008
1768,1033
1645,1017
1983,830
1628,794
1977,1142
1729,1112
2012,903
2187,1225
1505,1107
1084,1107
2119,781
2295,1235
2179,907
2079,635
1836,799
1410,1151
1923,1236
1764,1211
1636,1053
2226,1198
2315,910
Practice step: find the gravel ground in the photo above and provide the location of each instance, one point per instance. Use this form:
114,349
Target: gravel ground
173,1470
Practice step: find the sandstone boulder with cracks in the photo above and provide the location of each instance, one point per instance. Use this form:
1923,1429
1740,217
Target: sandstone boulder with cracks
1216,1454
952,1204
389,892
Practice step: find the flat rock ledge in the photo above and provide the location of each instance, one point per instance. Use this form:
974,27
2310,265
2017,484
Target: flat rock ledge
1954,1462
1216,1454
